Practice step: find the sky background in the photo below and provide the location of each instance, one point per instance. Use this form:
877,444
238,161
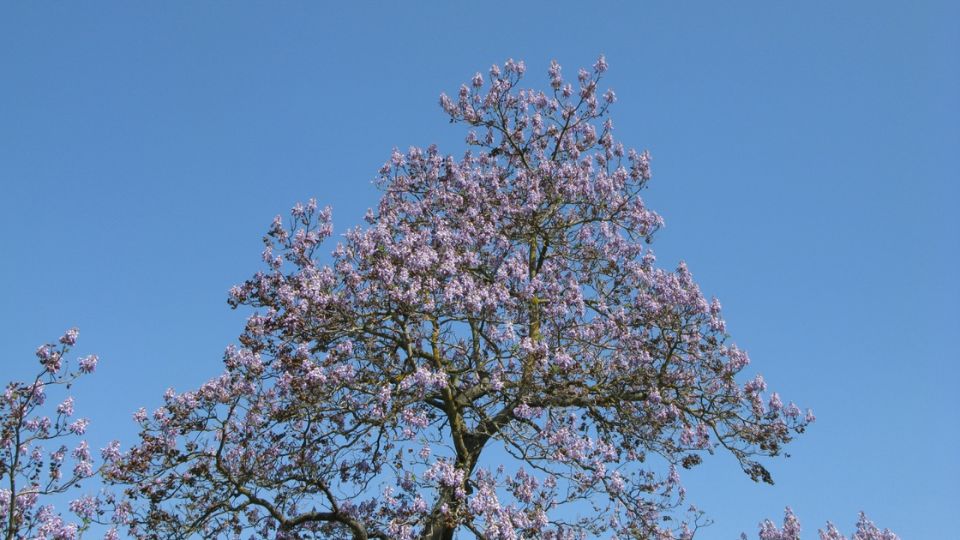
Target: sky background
804,159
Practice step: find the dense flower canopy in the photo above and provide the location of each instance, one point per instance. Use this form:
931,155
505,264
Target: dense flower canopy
495,353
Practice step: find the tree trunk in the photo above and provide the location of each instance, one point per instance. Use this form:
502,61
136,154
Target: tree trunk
437,527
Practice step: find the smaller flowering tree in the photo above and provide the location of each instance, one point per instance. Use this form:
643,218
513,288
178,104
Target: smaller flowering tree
866,530
35,460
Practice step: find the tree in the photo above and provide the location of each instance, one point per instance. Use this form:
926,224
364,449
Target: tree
33,457
866,530
495,353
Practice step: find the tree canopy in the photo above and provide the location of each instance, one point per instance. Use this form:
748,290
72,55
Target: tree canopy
504,303
495,354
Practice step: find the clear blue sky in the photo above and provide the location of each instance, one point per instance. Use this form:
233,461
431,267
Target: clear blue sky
805,161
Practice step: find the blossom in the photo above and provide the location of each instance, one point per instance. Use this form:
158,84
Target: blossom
88,363
111,452
79,426
69,337
601,64
66,407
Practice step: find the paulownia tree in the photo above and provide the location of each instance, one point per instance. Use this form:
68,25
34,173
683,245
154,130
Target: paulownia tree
865,530
36,464
495,355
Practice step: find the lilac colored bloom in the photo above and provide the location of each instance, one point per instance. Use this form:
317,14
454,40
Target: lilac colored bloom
79,426
111,452
66,407
556,80
88,364
85,507
601,64
69,338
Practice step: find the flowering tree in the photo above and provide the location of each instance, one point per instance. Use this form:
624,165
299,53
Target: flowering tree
33,456
495,354
866,530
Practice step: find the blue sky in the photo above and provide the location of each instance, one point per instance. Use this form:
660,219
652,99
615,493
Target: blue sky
804,160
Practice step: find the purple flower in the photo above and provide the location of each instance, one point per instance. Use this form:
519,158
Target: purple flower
85,507
79,426
601,64
66,407
88,363
69,338
111,452
556,80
